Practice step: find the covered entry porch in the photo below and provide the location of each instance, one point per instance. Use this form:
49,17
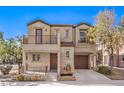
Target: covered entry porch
40,61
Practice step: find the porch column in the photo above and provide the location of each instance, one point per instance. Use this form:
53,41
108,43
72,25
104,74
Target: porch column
59,54
24,61
94,61
59,67
90,61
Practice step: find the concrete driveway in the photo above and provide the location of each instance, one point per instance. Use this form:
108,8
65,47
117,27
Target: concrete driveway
84,78
89,75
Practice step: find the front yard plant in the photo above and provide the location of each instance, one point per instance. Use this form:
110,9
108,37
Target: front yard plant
104,70
5,69
26,77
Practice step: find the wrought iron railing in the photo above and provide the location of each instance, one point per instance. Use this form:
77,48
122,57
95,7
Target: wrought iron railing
40,39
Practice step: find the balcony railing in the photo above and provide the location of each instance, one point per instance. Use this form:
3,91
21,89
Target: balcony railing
83,40
40,39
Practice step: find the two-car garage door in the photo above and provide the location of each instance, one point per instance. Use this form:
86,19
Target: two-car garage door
81,61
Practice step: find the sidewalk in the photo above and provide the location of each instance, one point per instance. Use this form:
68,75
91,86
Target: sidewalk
66,83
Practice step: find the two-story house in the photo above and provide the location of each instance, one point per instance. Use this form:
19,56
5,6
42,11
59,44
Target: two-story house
58,46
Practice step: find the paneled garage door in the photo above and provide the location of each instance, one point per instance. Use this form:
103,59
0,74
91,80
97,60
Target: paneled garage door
81,62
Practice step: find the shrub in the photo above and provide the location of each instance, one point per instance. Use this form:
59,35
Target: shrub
20,78
30,78
27,78
36,77
5,69
104,70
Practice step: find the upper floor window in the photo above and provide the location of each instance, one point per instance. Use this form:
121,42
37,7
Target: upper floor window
56,31
38,37
82,37
67,33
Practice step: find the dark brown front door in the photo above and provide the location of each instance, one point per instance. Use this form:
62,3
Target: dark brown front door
53,61
81,62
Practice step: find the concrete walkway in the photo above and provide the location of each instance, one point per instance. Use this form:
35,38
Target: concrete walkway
52,76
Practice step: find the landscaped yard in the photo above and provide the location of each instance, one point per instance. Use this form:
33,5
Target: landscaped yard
117,74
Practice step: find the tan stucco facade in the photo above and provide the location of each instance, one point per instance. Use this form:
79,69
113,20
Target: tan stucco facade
44,50
64,60
37,65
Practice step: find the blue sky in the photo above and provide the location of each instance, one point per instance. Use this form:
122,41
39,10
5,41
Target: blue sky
14,20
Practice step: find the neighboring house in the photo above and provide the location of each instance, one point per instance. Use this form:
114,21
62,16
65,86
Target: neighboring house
57,46
118,60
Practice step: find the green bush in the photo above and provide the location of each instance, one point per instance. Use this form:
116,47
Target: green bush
104,70
5,69
30,78
20,77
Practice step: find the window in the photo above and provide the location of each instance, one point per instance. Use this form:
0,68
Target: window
122,58
36,57
82,37
56,31
67,54
33,57
67,33
38,37
26,57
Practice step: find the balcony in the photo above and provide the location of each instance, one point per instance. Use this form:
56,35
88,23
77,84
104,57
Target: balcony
84,45
38,39
44,43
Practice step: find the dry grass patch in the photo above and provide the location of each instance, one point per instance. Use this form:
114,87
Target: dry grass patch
116,74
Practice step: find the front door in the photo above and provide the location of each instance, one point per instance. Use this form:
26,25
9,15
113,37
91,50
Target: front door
53,61
38,36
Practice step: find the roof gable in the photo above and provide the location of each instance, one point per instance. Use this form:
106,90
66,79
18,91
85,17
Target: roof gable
59,24
84,24
37,21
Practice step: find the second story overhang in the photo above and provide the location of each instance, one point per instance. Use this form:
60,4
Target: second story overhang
44,43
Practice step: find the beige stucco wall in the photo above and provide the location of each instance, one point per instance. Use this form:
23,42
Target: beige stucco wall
38,65
64,60
83,26
38,25
62,31
86,48
92,61
41,48
46,49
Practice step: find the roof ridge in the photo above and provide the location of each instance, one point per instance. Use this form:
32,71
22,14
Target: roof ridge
74,25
